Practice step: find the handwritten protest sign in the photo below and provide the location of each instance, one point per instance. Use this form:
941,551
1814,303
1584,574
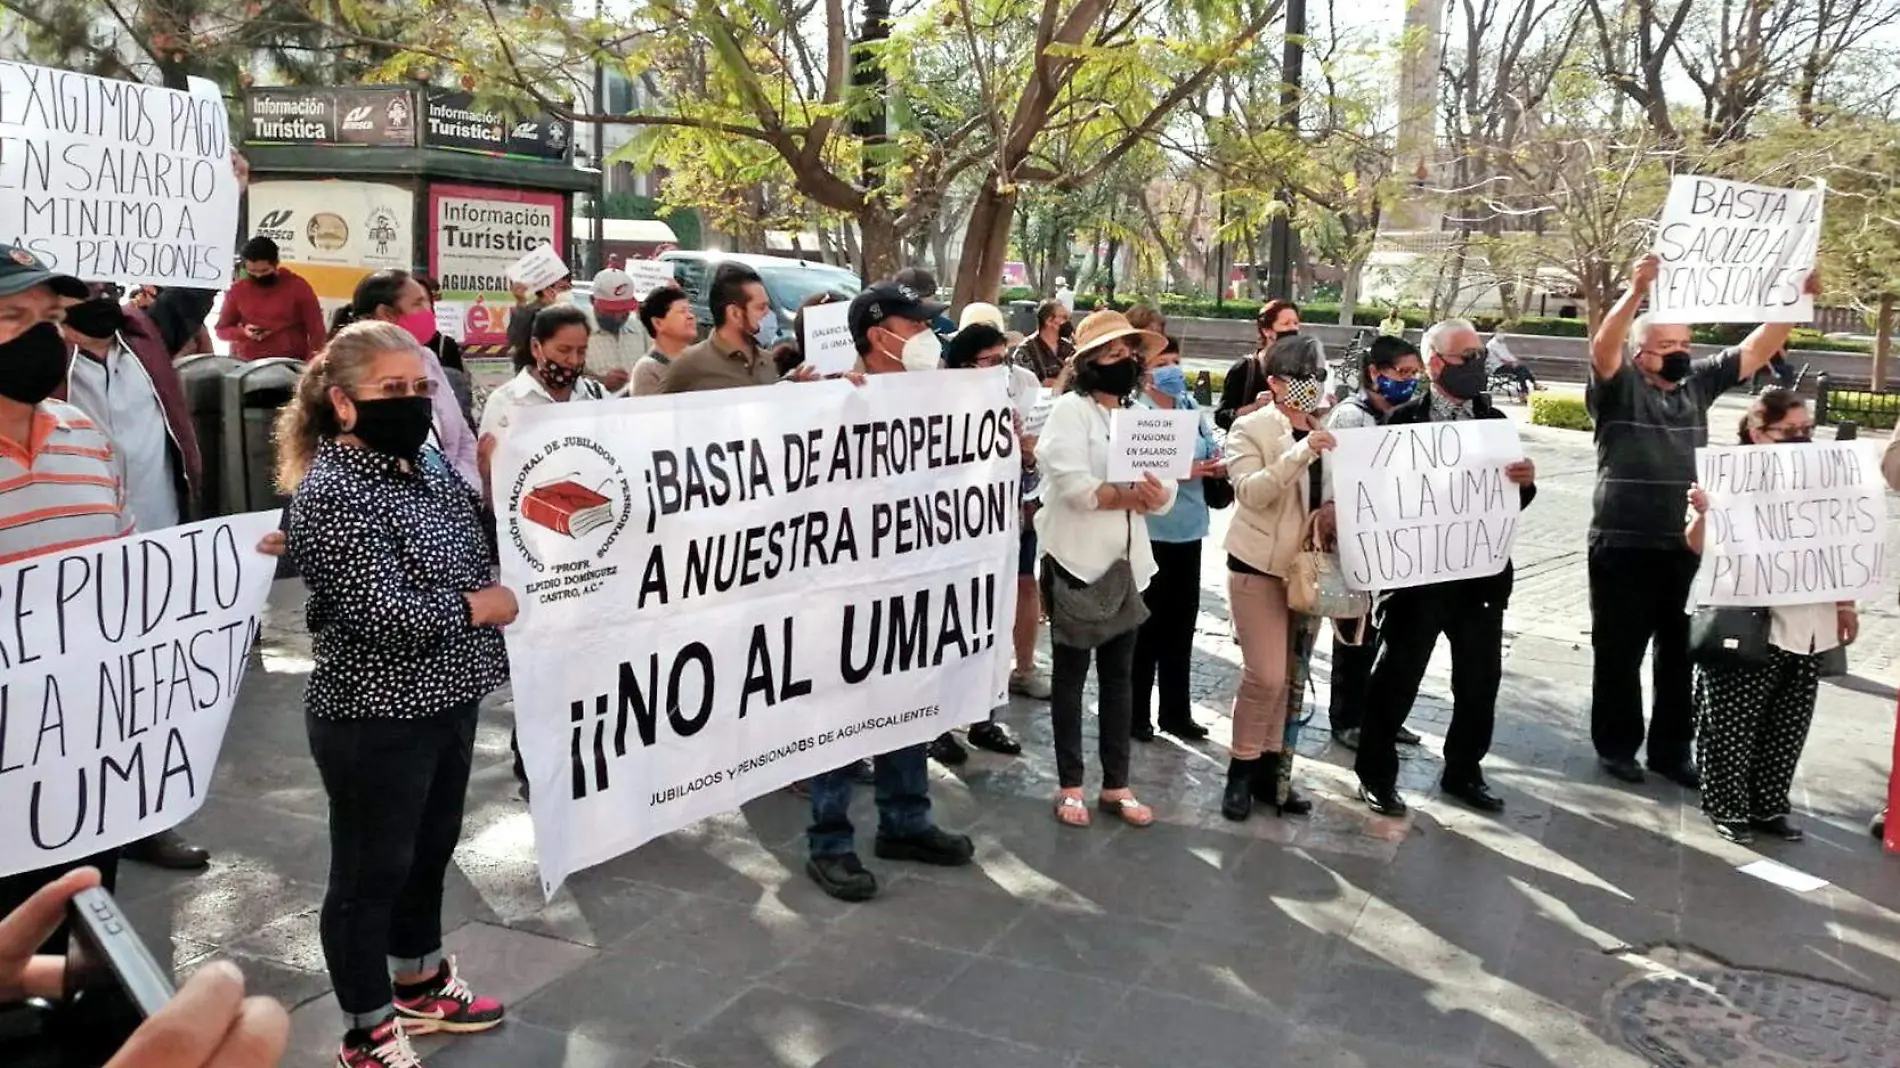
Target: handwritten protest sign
1038,414
648,275
1425,502
117,674
722,593
1151,441
828,344
1792,524
1735,253
451,319
538,269
105,179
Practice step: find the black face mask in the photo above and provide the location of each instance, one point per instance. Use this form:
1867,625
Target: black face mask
394,426
1462,381
1675,366
1295,332
33,364
1066,331
1116,378
100,318
266,280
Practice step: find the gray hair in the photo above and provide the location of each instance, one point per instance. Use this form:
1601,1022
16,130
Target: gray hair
1441,329
1639,332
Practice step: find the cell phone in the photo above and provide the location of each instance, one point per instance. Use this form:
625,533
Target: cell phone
109,972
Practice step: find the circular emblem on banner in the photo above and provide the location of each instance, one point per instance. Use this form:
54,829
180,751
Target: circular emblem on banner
327,231
568,505
22,257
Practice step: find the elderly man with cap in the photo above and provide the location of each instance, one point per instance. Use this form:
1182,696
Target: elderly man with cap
885,320
619,341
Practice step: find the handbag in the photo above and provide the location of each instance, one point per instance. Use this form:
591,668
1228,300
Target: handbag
1729,636
1218,490
1315,585
1084,615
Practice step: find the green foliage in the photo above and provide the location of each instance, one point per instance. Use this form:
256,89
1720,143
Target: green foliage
1870,411
684,221
1564,413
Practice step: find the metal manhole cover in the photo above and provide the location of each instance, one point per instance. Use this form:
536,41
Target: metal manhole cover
1745,1018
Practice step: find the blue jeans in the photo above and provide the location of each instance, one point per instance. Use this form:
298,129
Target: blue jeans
903,802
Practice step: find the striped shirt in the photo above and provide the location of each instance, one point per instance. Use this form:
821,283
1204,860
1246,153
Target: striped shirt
64,489
1646,440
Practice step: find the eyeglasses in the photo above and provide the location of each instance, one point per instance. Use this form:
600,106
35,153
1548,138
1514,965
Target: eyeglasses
1464,357
395,387
1790,435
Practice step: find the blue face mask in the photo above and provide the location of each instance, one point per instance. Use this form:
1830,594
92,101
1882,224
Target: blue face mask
1171,379
1395,390
768,330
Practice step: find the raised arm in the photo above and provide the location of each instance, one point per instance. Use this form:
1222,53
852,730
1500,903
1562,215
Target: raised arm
1764,341
1606,347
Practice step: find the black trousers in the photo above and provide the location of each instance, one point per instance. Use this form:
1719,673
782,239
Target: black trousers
396,789
1638,596
1164,646
1352,676
1070,672
1410,622
15,889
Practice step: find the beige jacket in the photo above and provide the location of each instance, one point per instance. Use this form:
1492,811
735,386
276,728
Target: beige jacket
1268,470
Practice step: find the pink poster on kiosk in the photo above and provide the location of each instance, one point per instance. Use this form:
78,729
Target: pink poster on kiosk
475,233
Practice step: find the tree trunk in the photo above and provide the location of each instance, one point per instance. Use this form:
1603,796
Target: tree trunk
883,250
1349,291
1883,340
985,245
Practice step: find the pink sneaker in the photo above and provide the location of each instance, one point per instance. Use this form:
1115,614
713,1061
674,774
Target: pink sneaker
449,1006
388,1047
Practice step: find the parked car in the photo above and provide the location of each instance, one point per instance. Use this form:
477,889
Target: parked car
787,282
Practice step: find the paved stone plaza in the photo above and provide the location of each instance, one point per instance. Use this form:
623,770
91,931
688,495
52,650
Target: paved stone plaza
1591,925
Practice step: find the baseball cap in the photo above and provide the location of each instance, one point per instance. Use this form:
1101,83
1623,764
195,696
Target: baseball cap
20,271
613,291
889,300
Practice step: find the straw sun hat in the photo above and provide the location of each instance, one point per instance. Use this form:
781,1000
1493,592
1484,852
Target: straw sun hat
1104,326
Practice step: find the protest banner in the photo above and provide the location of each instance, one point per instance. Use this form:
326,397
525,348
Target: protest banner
1037,415
1792,524
119,663
648,275
1151,441
725,592
828,344
106,179
1420,503
1735,253
539,269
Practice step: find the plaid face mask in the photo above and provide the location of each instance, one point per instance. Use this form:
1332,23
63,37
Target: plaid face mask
1302,393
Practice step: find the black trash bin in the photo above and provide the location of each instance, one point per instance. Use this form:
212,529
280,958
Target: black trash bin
203,379
253,393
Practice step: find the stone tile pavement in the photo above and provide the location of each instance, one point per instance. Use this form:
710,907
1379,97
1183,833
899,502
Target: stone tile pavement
1343,940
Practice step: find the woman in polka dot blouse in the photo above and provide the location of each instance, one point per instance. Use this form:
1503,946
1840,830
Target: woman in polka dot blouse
1752,719
405,622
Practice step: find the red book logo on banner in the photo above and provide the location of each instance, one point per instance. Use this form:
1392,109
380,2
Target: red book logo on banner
567,507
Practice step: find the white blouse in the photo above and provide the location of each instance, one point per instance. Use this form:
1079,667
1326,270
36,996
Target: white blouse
1804,628
1072,457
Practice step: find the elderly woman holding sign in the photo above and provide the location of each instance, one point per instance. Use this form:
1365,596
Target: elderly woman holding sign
1755,698
405,623
1270,460
1096,559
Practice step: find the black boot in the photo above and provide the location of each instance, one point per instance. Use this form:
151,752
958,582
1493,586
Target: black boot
1236,802
1273,785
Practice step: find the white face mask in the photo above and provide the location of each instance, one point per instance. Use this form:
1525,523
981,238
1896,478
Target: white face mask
923,352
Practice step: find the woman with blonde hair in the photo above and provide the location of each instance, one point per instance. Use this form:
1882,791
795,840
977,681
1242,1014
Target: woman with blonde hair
405,624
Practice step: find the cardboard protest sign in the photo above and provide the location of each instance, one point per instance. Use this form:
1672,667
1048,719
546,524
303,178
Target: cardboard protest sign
538,269
1152,441
1735,253
1420,503
115,180
451,319
1792,524
828,344
725,592
117,683
648,275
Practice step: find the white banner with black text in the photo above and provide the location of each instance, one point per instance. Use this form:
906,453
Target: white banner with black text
119,663
1792,524
724,592
1420,503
